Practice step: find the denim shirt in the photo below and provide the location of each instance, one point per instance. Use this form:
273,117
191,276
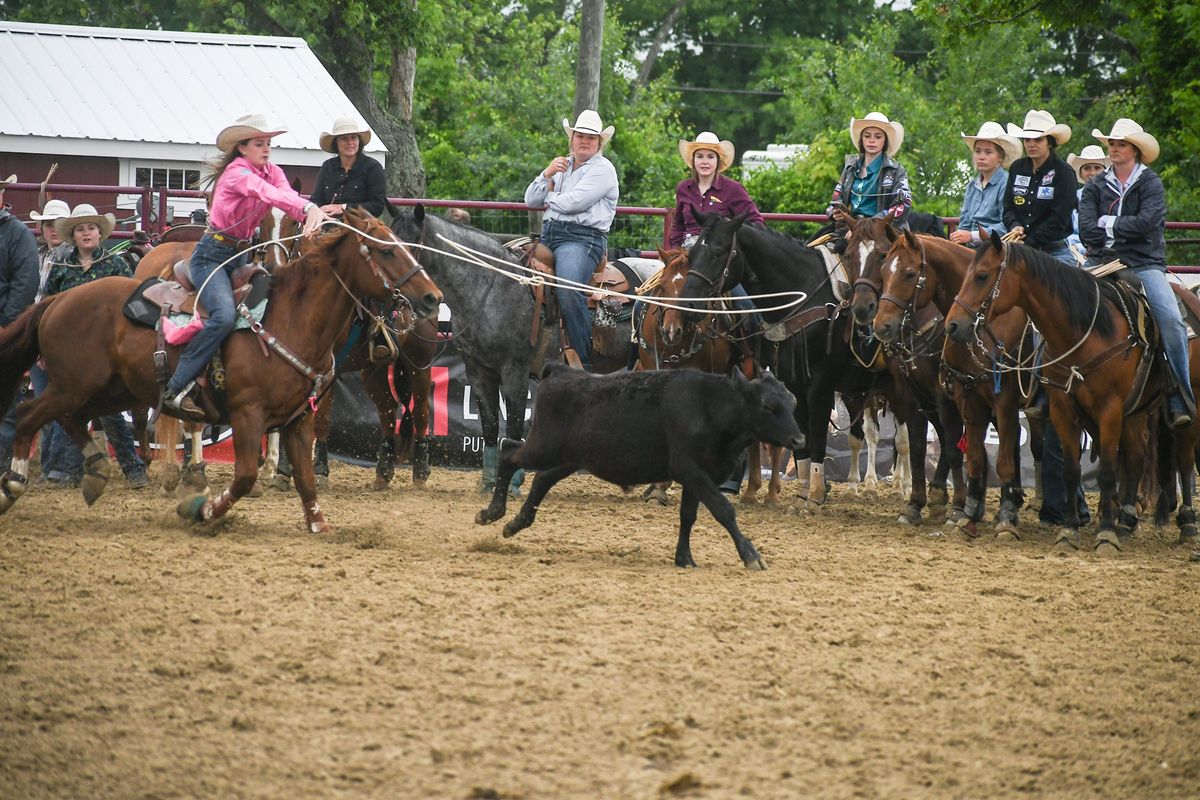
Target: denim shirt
983,206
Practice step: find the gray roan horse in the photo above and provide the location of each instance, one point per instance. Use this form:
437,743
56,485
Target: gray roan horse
493,316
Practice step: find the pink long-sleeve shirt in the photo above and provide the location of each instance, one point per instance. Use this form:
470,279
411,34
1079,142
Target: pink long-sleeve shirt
243,195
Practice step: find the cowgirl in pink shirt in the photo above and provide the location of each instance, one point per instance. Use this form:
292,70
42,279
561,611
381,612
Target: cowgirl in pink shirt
247,184
708,190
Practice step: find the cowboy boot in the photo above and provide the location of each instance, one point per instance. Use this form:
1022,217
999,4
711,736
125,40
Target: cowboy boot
491,463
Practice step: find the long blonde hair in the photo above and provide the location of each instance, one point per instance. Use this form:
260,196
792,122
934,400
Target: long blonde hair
214,167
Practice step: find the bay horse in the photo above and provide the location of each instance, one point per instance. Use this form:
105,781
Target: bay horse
493,320
1101,374
99,362
710,344
815,356
921,274
915,362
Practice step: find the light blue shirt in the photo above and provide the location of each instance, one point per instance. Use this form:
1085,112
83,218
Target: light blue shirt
983,205
586,195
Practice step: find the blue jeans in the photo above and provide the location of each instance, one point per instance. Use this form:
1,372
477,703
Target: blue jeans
1171,327
50,446
577,250
120,436
1059,251
217,299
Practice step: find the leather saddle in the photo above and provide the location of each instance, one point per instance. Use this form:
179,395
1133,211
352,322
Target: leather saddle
251,283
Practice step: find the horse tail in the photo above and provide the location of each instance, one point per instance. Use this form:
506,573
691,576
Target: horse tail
19,349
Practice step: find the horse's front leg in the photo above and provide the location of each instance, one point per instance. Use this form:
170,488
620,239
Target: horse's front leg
917,426
1062,416
247,442
754,467
1008,429
515,388
422,385
297,442
976,414
1132,456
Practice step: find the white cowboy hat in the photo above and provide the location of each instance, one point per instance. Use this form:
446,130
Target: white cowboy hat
85,212
1129,131
1039,124
250,126
1092,154
990,131
342,126
4,183
55,209
708,141
893,129
589,122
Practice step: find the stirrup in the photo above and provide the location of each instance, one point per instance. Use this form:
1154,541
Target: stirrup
183,406
383,348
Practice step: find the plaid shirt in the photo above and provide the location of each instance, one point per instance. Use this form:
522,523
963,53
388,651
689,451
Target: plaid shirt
67,273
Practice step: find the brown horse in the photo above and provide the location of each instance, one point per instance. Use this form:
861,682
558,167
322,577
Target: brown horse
402,384
99,362
923,273
1101,375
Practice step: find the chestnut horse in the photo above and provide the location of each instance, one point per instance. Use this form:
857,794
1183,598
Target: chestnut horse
99,362
923,273
1101,375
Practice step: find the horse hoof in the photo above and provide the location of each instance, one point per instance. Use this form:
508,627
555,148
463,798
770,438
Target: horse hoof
93,487
320,528
1187,534
756,564
12,486
510,530
256,490
911,515
322,481
380,485
937,497
748,499
281,483
192,508
1008,534
771,502
655,494
968,528
1107,543
1067,541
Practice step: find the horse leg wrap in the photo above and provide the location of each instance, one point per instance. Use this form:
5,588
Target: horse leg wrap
12,486
491,462
802,476
1127,520
385,459
1186,519
96,469
1037,484
420,459
817,486
514,486
315,518
321,459
973,508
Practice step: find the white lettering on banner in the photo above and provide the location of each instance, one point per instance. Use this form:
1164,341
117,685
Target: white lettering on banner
472,413
472,444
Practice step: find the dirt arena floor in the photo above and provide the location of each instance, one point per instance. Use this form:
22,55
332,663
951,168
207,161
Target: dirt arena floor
415,655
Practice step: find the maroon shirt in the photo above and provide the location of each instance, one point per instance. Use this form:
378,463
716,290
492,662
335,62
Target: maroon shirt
726,197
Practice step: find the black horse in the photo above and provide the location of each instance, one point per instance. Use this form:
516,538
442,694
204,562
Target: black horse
493,315
817,354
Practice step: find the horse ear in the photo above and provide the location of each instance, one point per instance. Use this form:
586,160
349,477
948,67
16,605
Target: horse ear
738,220
910,239
662,254
419,213
891,232
296,184
997,242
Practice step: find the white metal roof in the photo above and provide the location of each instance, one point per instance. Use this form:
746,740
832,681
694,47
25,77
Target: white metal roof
160,94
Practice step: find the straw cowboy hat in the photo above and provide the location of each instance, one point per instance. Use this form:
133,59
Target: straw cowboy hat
708,141
893,129
1092,154
341,127
250,126
55,209
4,183
81,214
1129,131
1039,124
589,122
990,131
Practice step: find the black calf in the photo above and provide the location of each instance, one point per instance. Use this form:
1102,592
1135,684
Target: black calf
647,427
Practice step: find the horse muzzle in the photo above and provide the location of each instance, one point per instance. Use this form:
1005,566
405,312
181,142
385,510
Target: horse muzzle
885,331
958,330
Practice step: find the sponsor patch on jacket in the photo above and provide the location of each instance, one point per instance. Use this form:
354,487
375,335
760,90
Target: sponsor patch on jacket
1048,178
887,181
1021,180
1018,201
1045,193
1019,190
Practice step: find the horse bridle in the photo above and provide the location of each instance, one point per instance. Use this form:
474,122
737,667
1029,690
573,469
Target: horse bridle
719,282
980,314
907,307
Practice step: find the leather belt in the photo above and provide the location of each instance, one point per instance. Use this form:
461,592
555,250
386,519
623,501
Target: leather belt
229,241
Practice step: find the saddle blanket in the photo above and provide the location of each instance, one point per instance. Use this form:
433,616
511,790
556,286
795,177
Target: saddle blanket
839,281
242,324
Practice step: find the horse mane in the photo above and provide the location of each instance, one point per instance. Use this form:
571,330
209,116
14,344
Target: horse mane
1075,288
